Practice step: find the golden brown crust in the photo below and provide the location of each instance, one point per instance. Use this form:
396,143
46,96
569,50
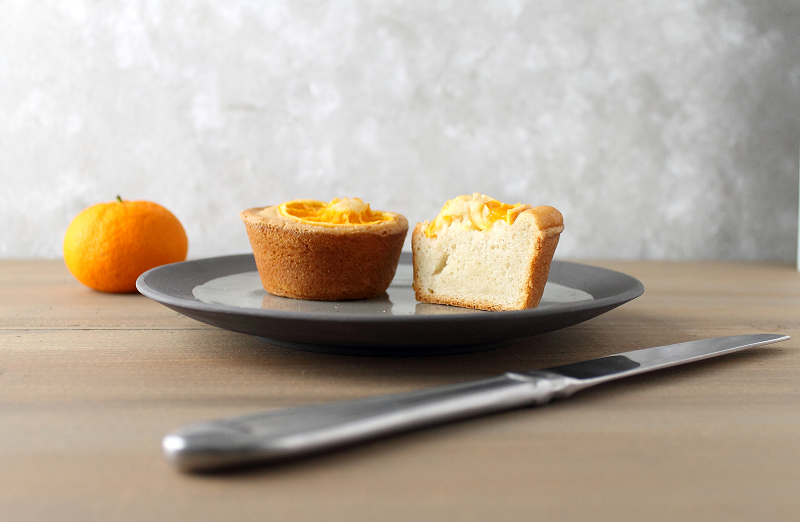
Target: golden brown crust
323,263
548,220
550,224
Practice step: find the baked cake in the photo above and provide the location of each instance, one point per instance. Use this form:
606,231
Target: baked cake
308,249
481,253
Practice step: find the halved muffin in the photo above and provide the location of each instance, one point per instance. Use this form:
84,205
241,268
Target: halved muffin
481,253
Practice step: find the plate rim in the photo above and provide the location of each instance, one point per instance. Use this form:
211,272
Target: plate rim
145,288
385,335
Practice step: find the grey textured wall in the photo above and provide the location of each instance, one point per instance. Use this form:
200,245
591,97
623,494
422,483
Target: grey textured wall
660,129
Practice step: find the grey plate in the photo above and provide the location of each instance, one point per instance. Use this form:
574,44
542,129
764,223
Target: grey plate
225,292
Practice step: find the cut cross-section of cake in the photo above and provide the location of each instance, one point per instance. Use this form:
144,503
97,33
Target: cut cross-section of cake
481,253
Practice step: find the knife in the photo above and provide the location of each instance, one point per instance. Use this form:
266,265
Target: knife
293,432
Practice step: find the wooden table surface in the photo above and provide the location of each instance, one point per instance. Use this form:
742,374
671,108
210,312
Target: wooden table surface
90,382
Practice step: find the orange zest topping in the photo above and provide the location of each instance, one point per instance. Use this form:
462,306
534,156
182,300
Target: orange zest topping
476,212
346,211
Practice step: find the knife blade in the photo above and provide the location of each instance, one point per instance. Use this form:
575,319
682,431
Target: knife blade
300,431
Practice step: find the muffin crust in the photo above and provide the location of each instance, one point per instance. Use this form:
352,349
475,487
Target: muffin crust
323,263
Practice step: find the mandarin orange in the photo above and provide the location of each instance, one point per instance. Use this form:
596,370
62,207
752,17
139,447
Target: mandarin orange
109,245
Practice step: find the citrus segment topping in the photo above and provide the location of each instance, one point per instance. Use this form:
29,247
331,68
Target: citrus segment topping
476,212
346,211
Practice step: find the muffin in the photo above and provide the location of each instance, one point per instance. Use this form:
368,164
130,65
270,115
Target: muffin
308,249
484,254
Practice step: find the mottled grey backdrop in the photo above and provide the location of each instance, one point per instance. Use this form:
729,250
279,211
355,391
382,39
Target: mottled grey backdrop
662,130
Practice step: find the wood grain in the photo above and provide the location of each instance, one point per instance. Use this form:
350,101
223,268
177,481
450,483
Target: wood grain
90,382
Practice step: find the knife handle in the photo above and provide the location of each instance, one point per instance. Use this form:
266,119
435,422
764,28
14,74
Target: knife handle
293,432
